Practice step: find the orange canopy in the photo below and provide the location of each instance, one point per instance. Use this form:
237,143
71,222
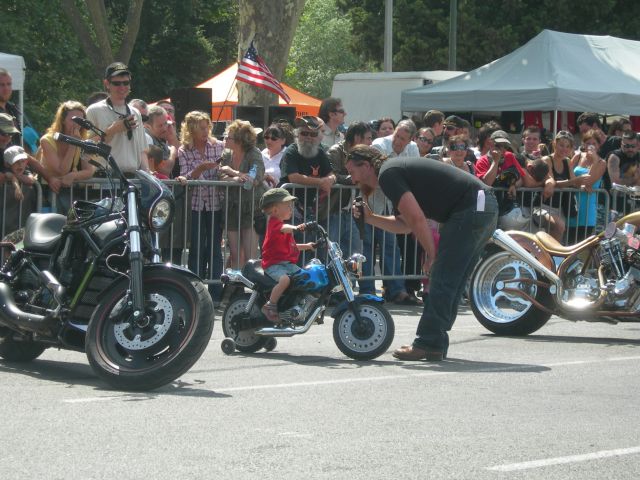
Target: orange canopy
225,84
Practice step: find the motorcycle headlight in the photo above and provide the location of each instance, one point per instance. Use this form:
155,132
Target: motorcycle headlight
354,264
160,215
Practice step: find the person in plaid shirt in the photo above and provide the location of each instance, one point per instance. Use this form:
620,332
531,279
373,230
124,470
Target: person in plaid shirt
199,156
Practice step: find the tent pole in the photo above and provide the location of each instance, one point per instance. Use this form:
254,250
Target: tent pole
555,123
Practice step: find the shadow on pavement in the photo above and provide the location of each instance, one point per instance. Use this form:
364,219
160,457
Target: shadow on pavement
316,360
572,339
472,366
74,374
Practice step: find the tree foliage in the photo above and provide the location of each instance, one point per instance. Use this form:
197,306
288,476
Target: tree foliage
318,51
179,44
486,30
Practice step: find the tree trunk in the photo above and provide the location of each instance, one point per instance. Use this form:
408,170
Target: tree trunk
95,36
271,26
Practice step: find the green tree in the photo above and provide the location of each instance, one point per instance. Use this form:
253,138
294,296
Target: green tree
486,30
318,51
180,43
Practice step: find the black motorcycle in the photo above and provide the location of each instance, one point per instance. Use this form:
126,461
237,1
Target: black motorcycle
93,281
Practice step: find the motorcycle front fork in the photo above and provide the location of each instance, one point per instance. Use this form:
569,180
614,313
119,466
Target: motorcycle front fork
135,254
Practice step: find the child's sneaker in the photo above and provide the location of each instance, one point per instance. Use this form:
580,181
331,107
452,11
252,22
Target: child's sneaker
270,311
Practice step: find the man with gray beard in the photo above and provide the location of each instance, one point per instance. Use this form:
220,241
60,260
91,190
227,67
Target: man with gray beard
306,163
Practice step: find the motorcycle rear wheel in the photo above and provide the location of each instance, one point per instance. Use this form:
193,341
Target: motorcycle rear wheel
501,312
246,341
13,350
147,354
366,341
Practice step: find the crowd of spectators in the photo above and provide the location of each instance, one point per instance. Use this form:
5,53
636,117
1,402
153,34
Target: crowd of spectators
531,181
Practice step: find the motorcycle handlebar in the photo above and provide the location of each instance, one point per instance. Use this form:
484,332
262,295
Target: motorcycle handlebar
88,146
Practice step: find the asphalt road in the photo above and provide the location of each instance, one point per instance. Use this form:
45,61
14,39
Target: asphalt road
563,403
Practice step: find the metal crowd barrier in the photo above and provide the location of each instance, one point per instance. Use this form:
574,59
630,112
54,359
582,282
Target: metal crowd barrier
395,257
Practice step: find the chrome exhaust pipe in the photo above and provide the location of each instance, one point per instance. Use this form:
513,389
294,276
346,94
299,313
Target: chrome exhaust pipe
503,240
290,332
11,316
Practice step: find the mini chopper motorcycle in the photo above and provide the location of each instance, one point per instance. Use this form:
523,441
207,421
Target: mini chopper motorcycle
362,329
93,282
525,278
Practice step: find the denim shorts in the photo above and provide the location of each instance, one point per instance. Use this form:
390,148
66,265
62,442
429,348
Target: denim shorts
280,269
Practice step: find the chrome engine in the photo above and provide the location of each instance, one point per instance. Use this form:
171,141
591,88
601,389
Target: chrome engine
620,261
298,313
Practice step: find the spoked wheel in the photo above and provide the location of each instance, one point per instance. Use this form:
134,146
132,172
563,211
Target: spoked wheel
499,310
152,349
14,350
246,341
367,339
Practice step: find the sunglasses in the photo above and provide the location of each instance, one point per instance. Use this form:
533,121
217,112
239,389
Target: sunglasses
2,134
305,133
457,147
425,139
271,137
451,127
120,83
629,145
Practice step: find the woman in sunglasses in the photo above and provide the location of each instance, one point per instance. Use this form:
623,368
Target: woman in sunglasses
457,148
63,160
275,140
425,140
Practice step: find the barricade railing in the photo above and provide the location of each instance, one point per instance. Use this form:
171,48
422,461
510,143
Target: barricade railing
219,238
13,212
624,199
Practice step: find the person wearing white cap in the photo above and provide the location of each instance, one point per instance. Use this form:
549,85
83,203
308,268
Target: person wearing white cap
15,160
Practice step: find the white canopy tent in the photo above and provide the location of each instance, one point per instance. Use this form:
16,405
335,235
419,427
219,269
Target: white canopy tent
553,71
15,65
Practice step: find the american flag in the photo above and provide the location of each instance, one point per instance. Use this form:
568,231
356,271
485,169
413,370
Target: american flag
254,71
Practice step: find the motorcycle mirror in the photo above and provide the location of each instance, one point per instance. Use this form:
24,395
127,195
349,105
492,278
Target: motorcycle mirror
610,231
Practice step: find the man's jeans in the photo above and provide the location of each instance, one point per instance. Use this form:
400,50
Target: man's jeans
343,229
390,261
205,251
462,240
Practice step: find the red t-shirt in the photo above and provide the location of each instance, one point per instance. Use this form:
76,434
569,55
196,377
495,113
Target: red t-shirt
484,163
278,247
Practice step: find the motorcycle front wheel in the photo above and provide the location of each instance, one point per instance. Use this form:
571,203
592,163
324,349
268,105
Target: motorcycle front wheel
163,343
367,339
245,340
503,312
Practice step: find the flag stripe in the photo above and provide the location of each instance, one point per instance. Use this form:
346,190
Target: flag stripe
254,71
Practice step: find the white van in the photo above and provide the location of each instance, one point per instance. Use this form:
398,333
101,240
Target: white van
369,96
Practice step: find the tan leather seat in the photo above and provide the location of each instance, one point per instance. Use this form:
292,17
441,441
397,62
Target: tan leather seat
554,247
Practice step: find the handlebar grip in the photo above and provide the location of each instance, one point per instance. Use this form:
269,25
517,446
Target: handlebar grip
310,226
71,140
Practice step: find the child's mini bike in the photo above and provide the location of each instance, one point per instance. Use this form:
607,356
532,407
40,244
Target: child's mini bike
362,329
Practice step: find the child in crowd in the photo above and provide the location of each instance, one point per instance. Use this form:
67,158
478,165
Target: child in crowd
280,251
154,154
15,159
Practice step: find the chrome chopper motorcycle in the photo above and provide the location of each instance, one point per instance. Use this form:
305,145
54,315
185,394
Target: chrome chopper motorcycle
363,329
93,282
525,278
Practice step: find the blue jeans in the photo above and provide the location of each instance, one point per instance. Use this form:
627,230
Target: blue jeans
389,258
343,229
205,252
462,239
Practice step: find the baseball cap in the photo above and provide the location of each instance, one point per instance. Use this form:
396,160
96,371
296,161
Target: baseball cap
115,69
275,195
309,121
14,154
6,124
500,136
455,121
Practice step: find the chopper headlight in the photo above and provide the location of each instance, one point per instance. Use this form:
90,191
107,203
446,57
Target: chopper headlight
160,215
354,264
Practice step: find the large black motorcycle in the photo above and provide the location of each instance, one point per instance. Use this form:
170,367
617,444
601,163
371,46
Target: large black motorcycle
93,282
